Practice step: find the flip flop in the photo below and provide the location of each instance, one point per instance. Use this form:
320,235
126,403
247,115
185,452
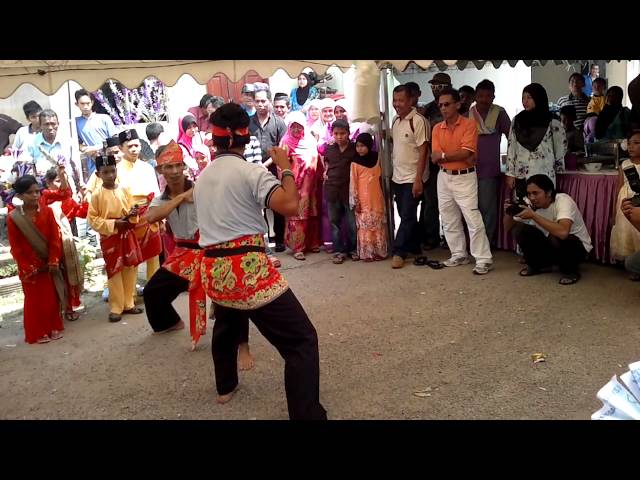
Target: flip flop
570,279
338,259
436,265
527,271
420,261
71,316
299,256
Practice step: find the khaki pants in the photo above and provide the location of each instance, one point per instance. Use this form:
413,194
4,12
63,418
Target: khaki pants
122,289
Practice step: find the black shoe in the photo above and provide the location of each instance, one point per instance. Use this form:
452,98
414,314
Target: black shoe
114,317
280,247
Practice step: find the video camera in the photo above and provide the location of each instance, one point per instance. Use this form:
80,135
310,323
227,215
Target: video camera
634,182
519,200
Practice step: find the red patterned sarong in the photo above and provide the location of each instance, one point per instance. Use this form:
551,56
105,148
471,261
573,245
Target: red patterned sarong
244,281
184,261
148,234
120,250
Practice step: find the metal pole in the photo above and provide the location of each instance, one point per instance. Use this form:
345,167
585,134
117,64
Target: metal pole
387,167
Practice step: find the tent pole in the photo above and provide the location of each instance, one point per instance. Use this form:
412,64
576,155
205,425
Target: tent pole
385,150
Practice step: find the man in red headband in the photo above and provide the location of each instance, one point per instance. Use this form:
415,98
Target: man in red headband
237,275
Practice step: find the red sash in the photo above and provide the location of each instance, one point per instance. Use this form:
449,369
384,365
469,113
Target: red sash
244,281
148,234
120,250
185,262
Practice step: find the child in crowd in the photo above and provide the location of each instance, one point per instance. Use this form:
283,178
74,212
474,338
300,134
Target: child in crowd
367,200
625,239
113,215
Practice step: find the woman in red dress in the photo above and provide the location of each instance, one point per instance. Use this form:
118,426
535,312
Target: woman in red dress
36,246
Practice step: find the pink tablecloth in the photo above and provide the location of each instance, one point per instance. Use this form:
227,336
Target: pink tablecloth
595,196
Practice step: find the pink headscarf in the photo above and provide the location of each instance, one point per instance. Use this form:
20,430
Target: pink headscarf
183,138
203,149
304,150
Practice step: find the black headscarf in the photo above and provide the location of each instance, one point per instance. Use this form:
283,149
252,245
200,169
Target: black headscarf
303,93
530,126
371,158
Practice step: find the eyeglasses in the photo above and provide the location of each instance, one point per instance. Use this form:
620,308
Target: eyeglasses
445,104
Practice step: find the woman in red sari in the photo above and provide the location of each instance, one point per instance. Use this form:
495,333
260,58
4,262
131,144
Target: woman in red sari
303,230
36,246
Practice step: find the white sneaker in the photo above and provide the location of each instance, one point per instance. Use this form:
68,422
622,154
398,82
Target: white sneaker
456,261
482,268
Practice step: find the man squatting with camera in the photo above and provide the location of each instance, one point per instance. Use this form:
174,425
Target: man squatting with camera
549,229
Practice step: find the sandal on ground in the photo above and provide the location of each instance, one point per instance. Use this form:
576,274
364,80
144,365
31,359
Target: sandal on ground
569,279
436,265
338,258
71,316
56,335
275,261
44,339
114,317
299,256
420,261
355,257
528,271
133,311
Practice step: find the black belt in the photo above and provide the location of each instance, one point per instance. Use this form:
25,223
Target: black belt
228,252
460,172
193,246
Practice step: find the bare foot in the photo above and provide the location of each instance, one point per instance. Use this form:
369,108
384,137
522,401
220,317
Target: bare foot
222,399
245,359
177,326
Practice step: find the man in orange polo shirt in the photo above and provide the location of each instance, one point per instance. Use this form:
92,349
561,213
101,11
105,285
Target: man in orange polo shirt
455,142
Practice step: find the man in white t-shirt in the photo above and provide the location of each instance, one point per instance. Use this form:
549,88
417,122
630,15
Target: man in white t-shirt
550,232
411,133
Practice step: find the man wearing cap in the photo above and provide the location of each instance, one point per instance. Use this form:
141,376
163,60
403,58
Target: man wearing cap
93,129
269,129
139,178
431,231
248,96
237,275
455,147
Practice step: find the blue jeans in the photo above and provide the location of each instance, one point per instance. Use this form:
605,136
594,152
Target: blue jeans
337,212
407,237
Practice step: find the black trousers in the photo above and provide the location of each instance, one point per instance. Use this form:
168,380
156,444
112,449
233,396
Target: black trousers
429,213
161,290
284,323
542,251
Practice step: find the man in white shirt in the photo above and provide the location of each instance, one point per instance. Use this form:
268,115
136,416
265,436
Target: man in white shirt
551,231
410,133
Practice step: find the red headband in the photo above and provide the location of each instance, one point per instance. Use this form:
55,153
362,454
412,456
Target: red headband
223,132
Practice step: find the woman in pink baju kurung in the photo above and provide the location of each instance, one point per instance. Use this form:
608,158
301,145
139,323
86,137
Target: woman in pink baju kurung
303,230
